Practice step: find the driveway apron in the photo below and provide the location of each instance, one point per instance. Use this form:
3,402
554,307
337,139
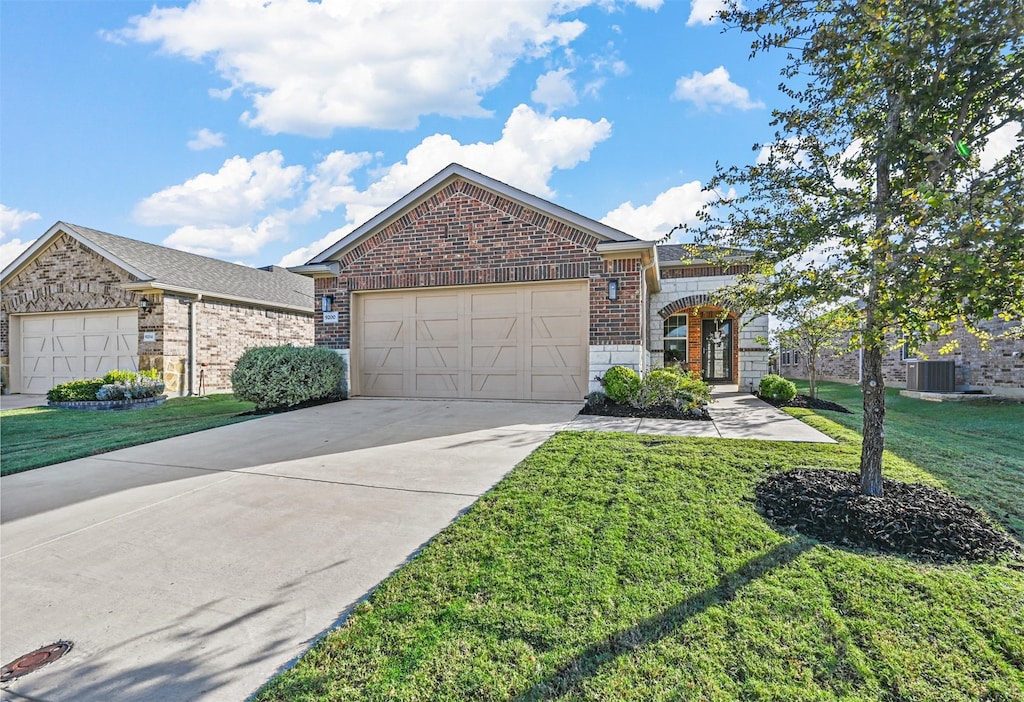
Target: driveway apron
196,567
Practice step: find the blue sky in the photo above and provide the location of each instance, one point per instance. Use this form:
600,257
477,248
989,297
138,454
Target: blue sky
261,132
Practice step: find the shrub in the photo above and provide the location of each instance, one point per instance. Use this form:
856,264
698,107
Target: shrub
139,388
114,385
776,388
596,399
120,376
659,387
283,376
694,385
621,384
75,391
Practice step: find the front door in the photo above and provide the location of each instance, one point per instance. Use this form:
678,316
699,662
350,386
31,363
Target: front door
716,345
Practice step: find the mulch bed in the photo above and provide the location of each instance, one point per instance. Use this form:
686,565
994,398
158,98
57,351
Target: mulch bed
278,410
911,520
812,403
608,408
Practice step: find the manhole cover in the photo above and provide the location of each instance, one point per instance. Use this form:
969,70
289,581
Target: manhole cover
30,661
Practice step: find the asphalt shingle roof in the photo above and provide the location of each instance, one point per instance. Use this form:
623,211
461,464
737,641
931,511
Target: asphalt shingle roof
179,269
675,254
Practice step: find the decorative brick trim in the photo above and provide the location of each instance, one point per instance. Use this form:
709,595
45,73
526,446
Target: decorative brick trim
517,274
101,405
683,303
702,271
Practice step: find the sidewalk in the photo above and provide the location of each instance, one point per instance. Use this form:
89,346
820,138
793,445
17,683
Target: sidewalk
734,415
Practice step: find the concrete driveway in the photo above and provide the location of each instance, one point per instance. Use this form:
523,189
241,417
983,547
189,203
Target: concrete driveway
196,567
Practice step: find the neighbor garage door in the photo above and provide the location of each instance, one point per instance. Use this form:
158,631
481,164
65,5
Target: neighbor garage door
520,342
56,348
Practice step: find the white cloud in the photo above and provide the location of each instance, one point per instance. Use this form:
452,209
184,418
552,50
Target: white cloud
205,139
714,90
225,241
555,90
1000,143
249,202
311,67
11,220
240,188
706,11
678,205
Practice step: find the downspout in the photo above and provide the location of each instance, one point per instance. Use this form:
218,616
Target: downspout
192,344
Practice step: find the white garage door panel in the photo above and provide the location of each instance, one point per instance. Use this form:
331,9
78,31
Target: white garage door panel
56,348
496,342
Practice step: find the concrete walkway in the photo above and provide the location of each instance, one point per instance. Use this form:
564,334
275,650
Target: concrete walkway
735,415
194,568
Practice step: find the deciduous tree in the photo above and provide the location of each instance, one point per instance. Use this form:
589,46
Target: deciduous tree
895,175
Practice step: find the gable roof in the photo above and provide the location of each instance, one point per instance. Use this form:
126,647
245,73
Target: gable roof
601,231
162,268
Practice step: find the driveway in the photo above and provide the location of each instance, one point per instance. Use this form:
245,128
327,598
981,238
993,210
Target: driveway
196,567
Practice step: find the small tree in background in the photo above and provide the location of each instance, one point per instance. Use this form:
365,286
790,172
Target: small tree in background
895,176
812,330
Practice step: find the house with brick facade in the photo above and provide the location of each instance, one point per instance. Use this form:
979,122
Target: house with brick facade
80,302
469,288
993,366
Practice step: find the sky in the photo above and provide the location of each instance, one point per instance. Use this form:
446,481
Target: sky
262,132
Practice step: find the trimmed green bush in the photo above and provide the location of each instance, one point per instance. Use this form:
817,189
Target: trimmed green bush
75,391
129,385
776,388
621,384
693,384
659,387
284,376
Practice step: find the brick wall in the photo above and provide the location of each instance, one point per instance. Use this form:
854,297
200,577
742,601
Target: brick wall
68,276
998,368
683,292
65,276
224,331
467,235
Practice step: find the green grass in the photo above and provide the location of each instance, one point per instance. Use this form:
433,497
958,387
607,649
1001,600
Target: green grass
41,436
974,449
624,567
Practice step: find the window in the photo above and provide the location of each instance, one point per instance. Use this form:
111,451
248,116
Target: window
676,334
787,358
907,350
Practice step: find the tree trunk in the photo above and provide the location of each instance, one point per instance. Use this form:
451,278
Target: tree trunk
873,387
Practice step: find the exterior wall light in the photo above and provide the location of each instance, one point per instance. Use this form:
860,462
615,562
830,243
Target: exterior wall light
613,290
143,304
326,302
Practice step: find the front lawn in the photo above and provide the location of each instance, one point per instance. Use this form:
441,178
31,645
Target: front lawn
40,436
625,567
973,448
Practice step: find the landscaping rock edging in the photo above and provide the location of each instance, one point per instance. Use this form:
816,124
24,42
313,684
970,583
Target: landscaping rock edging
108,405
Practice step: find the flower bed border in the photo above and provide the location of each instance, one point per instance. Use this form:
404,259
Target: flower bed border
106,405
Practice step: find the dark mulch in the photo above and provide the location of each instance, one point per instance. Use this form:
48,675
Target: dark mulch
911,520
608,408
808,402
278,410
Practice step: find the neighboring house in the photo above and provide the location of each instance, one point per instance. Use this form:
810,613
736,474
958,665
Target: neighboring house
997,368
80,302
470,288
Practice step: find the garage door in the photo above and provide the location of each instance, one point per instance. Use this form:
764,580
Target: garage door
56,348
526,342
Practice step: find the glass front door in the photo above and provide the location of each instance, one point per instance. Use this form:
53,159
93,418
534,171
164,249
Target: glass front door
716,337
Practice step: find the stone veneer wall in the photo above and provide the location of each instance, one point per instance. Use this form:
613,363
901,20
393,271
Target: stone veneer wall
64,277
693,285
998,369
467,235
